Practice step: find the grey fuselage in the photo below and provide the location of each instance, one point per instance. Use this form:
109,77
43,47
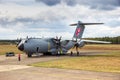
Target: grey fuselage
43,45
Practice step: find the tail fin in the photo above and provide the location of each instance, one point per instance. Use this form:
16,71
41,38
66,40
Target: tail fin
80,29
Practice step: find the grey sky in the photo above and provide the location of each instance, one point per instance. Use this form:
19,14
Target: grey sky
35,18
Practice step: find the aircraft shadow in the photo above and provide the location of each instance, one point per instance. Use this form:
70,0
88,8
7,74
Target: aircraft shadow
82,54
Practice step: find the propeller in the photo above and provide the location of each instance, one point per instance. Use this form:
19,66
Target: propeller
18,41
58,43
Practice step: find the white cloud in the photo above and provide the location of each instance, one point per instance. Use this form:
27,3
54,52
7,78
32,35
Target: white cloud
101,31
3,30
38,20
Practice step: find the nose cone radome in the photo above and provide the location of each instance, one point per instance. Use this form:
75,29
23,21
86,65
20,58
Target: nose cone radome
21,47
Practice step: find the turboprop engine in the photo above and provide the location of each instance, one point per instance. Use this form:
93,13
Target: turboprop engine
81,44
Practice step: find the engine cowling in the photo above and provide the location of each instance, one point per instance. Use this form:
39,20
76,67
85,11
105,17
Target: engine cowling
81,44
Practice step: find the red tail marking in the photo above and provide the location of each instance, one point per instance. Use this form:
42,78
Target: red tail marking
78,30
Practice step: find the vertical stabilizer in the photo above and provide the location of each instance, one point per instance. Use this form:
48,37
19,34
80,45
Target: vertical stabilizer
80,29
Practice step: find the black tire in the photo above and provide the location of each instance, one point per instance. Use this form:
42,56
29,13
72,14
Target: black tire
29,55
77,53
47,53
71,53
6,55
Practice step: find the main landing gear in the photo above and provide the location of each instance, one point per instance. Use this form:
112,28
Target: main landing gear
72,53
29,55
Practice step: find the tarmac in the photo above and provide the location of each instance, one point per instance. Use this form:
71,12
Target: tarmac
12,69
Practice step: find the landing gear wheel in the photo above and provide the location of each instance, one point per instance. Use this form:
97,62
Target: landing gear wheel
71,53
58,53
77,53
47,53
29,55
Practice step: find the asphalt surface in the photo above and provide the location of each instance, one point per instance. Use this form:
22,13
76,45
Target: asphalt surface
12,69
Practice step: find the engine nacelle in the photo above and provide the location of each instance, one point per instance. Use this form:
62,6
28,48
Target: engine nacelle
81,44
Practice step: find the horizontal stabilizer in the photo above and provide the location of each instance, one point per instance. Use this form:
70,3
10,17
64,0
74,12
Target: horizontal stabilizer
73,24
91,23
86,24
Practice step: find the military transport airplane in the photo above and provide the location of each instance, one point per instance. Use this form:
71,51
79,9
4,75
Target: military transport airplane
55,45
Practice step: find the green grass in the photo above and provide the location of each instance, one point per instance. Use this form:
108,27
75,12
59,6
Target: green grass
108,62
103,63
85,63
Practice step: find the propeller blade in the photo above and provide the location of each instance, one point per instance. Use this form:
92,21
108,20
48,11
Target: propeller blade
27,37
60,37
56,37
18,41
58,43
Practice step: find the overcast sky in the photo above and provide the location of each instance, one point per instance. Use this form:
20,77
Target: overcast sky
50,18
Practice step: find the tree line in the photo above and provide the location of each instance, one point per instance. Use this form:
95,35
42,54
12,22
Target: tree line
113,40
7,42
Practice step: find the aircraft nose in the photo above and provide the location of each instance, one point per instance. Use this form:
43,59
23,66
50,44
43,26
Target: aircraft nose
21,47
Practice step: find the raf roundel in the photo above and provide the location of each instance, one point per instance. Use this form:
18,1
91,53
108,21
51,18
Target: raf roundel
78,31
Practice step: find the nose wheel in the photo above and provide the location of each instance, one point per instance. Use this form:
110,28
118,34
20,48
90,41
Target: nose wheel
29,54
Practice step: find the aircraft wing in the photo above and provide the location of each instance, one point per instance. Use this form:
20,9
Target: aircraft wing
94,41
